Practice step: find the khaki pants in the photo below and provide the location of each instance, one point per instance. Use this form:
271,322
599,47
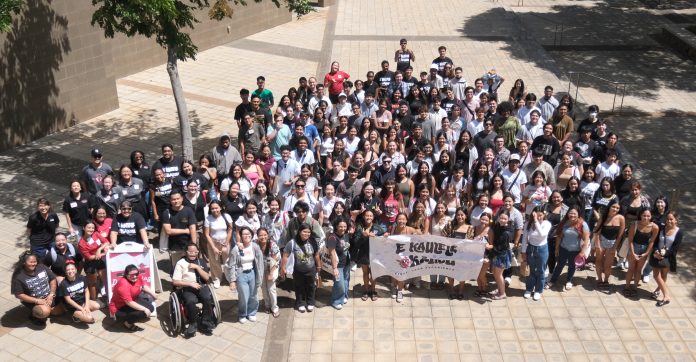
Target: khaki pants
216,261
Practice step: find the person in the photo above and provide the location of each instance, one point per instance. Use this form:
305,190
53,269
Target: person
659,211
217,231
110,196
224,156
76,295
205,168
93,246
284,174
555,211
518,91
93,174
41,227
515,179
59,254
664,257
78,206
538,164
35,286
189,174
500,236
191,273
439,221
333,80
128,226
245,271
535,252
249,218
169,163
403,56
195,200
237,176
548,145
252,134
130,300
305,267
573,236
179,224
141,169
564,171
271,259
537,193
242,108
562,123
608,232
366,226
548,103
132,190
641,238
261,92
338,246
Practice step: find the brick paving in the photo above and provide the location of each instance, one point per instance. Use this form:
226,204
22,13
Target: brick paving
582,324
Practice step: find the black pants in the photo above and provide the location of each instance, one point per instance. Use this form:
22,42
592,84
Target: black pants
305,288
131,315
552,255
191,296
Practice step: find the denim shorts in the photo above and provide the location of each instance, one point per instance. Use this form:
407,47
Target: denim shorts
503,260
606,243
639,248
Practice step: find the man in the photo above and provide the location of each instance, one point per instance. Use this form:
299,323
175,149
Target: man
243,107
403,56
586,146
426,124
424,83
383,173
224,156
384,77
434,79
502,154
318,97
416,141
493,82
442,60
534,128
191,273
370,86
436,113
278,135
548,103
179,224
548,145
458,84
93,174
398,84
284,172
592,120
351,186
608,168
263,114
449,102
523,114
485,139
538,164
469,104
302,216
492,112
476,124
302,154
251,134
265,94
369,108
170,164
515,179
409,79
458,180
404,115
357,117
562,124
59,254
303,91
478,88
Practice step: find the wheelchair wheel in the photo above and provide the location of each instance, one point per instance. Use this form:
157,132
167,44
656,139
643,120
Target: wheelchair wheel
175,315
216,305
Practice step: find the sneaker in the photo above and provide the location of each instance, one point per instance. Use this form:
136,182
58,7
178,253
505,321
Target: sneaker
393,293
149,227
624,265
242,320
301,309
191,331
251,318
216,283
353,267
646,278
102,291
310,308
527,295
163,250
507,281
345,300
546,273
537,296
399,296
569,286
338,306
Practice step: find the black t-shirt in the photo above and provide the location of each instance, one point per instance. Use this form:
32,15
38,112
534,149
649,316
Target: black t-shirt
441,62
143,172
78,209
75,290
128,229
182,181
162,192
384,78
57,264
360,202
549,147
241,110
342,245
181,219
36,284
171,168
42,230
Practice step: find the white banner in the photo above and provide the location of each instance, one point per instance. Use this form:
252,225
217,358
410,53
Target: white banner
131,253
410,256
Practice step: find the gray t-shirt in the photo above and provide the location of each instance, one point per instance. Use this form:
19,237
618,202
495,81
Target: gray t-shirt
572,241
341,244
304,256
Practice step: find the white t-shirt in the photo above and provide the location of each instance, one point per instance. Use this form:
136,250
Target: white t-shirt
248,258
520,180
218,226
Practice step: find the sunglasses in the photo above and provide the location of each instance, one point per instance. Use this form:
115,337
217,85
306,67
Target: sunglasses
300,186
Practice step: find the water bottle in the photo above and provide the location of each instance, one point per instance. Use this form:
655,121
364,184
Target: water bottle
212,194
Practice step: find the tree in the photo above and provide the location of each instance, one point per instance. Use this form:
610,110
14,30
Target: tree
167,21
7,8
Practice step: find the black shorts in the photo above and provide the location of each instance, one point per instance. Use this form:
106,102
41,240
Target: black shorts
333,98
93,266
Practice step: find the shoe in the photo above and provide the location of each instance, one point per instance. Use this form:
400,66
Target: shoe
149,227
399,296
310,308
662,303
433,285
546,273
353,267
216,283
547,285
251,318
301,309
190,331
345,300
499,297
527,295
365,296
163,250
207,332
656,294
393,293
132,327
276,312
537,296
646,278
569,286
624,265
243,320
102,291
507,281
338,306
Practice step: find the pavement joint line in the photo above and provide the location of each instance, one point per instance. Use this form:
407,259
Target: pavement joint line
276,49
326,45
168,91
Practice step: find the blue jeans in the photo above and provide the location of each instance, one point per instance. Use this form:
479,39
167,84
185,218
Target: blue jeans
537,257
341,285
246,290
565,257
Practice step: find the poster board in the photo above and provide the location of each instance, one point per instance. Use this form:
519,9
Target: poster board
125,254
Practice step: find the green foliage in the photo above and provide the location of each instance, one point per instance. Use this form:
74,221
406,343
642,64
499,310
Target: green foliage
7,9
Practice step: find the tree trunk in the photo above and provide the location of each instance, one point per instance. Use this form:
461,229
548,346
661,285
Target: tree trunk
182,109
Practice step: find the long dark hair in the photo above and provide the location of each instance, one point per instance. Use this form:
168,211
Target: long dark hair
605,214
298,235
23,258
578,225
530,220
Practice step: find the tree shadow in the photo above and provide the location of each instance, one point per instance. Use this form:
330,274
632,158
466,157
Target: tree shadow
28,106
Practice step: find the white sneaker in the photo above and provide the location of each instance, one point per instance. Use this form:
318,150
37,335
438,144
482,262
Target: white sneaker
102,291
508,280
353,267
646,278
546,273
393,293
301,308
310,308
338,306
527,295
569,286
399,296
537,296
216,283
345,300
243,321
252,318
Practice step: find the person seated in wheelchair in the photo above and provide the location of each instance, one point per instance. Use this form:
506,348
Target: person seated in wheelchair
191,274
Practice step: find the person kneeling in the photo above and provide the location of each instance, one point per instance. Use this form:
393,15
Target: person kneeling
35,286
76,296
132,299
191,273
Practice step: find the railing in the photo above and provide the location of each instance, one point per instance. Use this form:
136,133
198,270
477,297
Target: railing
675,194
559,27
616,85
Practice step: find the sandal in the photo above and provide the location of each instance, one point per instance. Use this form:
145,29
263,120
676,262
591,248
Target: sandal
663,302
656,294
276,313
498,297
451,296
374,296
365,296
132,327
460,296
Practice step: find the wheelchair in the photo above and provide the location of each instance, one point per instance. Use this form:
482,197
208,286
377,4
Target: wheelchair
177,313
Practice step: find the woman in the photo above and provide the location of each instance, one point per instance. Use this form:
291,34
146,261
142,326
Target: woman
340,211
633,203
366,226
110,196
293,95
664,257
442,170
251,169
93,247
424,196
564,171
404,184
364,171
237,176
275,221
641,237
35,286
536,194
392,203
458,228
624,181
605,195
465,152
233,203
141,169
283,105
301,194
194,199
338,246
371,147
392,136
572,195
245,271
441,145
500,236
188,173
262,197
338,154
416,99
76,295
305,267
383,117
567,101
481,233
133,190
608,232
535,252
496,193
418,219
588,188
102,224
366,127
401,228
518,91
335,176
394,101
311,182
424,177
352,141
271,259
249,219
479,183
479,209
130,301
206,167
450,200
78,206
367,200
451,136
217,230
266,161
438,222
341,132
573,236
555,211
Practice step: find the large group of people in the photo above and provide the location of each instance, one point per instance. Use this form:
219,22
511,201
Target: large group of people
334,163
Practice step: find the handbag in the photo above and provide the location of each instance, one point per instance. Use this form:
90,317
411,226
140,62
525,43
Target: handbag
145,299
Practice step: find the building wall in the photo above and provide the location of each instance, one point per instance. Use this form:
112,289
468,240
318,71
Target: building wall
56,69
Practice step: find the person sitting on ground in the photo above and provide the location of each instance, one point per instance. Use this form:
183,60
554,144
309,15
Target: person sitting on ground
75,294
191,273
35,286
130,301
59,254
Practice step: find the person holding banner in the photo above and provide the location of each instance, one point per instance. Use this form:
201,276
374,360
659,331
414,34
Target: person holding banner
535,252
245,270
301,258
338,245
500,237
401,228
366,226
130,301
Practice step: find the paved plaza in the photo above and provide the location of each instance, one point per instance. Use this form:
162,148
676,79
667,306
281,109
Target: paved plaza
657,128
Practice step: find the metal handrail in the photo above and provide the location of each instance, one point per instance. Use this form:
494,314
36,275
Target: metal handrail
557,39
616,84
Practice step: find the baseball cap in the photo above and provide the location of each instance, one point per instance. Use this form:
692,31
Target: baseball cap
96,152
514,157
434,66
342,95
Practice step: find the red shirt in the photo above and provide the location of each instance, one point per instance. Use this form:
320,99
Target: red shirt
125,292
102,231
335,81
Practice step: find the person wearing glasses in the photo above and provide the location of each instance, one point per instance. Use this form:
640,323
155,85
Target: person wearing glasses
129,226
301,195
93,174
485,139
127,304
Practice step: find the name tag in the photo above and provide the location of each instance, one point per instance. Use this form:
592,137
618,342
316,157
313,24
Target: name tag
137,187
125,192
73,204
42,274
